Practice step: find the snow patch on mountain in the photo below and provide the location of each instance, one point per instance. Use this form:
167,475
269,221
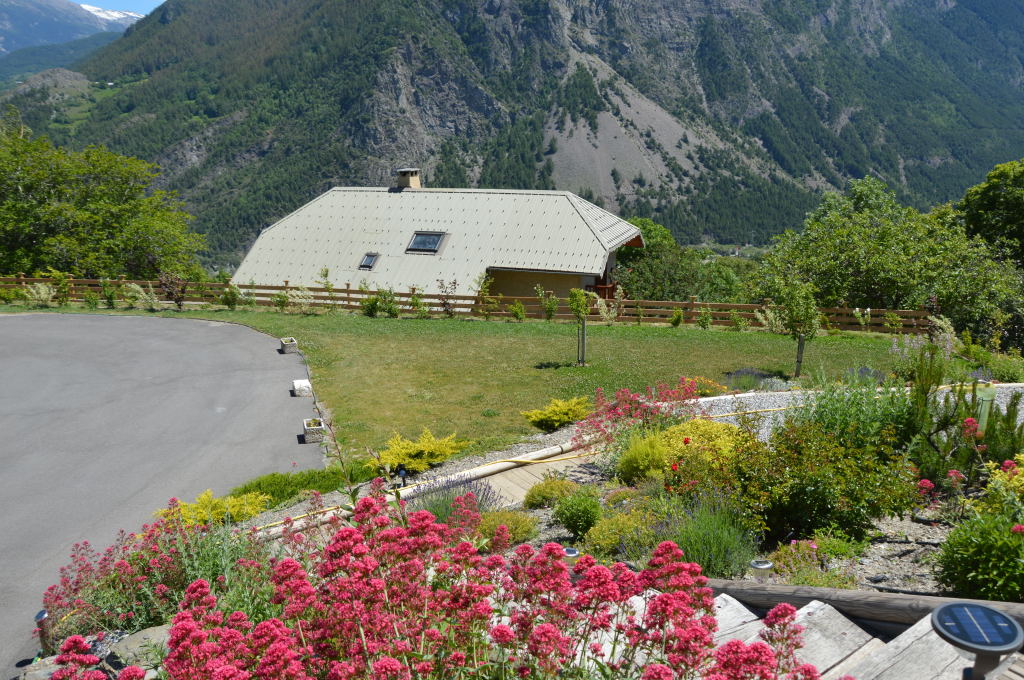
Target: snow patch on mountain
114,15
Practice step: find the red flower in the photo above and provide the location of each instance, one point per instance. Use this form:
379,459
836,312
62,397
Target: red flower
1018,529
675,466
925,487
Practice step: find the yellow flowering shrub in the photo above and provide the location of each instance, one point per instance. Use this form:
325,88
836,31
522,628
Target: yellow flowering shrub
619,531
559,413
209,510
419,455
1004,493
709,437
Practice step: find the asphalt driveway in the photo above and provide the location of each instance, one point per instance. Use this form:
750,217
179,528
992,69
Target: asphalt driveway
103,418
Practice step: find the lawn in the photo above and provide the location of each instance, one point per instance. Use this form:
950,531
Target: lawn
380,376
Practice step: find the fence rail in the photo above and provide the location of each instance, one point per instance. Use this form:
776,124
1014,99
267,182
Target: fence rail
691,311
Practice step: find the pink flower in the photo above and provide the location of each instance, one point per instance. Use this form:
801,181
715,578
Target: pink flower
925,487
131,673
956,478
658,671
502,634
1018,529
970,428
1008,466
387,667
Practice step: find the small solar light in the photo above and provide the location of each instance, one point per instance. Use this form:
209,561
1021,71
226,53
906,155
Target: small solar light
762,570
571,555
402,474
43,624
982,630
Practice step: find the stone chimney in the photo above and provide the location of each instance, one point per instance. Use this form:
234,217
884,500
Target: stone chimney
407,178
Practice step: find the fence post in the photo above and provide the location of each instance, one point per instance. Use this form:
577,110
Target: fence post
693,310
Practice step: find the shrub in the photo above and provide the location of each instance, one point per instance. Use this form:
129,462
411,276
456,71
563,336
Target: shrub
387,303
644,455
548,302
706,387
419,309
61,282
174,287
438,496
622,532
10,295
521,526
547,493
279,300
517,310
210,511
231,297
559,413
807,481
89,298
701,434
110,291
300,300
984,558
578,511
677,318
704,319
655,408
287,486
134,294
39,294
418,455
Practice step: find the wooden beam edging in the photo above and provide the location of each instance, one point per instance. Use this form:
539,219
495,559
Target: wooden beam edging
861,604
273,531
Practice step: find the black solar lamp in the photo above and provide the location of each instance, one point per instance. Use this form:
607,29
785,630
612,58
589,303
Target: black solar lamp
402,474
982,630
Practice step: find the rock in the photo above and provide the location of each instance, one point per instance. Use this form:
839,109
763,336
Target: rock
40,670
139,649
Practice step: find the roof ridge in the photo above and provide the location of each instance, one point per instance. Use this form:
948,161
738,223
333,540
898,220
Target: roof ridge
593,230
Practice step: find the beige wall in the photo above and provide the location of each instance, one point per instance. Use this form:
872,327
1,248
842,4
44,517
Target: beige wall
521,284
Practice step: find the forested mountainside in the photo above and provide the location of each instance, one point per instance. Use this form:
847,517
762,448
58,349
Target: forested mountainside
719,119
27,23
22,63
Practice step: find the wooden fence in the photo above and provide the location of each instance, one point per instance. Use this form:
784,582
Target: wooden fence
632,311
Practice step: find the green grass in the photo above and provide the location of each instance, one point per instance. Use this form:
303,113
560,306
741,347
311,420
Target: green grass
379,376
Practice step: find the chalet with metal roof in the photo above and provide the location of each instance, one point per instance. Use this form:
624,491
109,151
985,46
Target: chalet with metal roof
408,236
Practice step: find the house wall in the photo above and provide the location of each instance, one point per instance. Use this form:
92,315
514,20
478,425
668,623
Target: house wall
522,284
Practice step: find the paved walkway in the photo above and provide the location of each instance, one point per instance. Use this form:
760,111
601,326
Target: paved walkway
103,418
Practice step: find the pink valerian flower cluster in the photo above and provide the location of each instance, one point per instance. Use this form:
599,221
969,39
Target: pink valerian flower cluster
656,404
398,595
1018,529
925,487
75,659
955,479
970,428
1009,467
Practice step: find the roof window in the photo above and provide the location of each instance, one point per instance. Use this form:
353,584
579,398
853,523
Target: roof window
425,242
368,261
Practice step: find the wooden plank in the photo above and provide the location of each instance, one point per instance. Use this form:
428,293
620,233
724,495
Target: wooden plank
862,604
829,637
868,651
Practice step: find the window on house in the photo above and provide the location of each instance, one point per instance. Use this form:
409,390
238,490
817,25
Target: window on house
369,260
425,242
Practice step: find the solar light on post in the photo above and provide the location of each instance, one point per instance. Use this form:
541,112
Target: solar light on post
762,570
984,631
402,474
43,626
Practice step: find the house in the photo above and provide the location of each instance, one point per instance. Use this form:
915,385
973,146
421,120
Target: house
408,236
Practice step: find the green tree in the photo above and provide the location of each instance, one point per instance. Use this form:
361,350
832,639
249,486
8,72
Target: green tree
657,239
580,303
864,249
994,209
90,213
799,315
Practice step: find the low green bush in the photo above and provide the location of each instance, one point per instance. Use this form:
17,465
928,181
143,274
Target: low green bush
611,534
579,511
860,414
711,436
287,486
10,295
645,455
805,563
521,525
208,510
418,455
983,557
559,413
710,531
517,310
547,493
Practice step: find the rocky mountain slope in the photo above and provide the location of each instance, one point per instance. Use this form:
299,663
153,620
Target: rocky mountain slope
26,23
720,118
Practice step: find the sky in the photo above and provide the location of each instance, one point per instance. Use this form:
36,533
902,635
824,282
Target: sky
139,6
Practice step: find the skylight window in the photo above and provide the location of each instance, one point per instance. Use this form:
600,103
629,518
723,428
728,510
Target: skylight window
368,261
425,242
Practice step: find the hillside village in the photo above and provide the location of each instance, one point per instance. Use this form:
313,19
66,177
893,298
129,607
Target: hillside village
291,389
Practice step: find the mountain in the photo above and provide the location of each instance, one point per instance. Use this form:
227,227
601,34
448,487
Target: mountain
26,23
721,119
22,63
